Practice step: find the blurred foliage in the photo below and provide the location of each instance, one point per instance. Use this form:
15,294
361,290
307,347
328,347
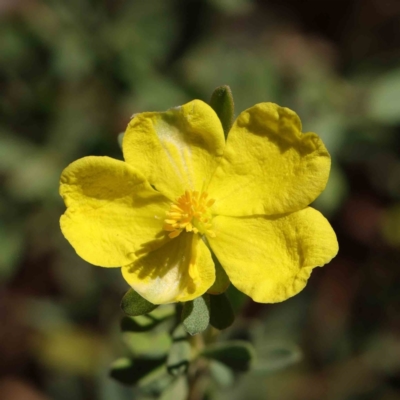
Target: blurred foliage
73,72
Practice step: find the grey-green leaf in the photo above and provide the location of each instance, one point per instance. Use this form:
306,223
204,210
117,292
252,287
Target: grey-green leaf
222,281
141,323
156,382
222,103
236,298
196,314
274,357
222,375
178,390
147,322
237,355
120,138
221,312
384,101
133,304
179,355
130,371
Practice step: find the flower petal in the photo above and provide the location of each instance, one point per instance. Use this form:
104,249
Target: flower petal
176,150
269,167
271,258
181,270
111,211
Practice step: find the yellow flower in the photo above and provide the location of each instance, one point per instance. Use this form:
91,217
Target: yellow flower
183,190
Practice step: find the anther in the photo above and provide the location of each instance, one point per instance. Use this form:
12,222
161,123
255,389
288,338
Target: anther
190,212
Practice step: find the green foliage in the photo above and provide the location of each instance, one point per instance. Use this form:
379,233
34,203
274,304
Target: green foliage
180,352
120,139
236,298
196,314
232,6
222,281
141,323
221,374
74,72
178,390
384,101
154,343
134,304
334,193
149,342
147,322
221,312
237,355
156,382
10,253
130,371
272,357
222,103
148,335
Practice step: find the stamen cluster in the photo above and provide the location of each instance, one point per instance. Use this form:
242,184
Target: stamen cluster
190,212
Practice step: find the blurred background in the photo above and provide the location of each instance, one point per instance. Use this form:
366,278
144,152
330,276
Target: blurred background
71,75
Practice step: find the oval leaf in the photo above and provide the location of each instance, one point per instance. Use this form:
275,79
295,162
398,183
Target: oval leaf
144,323
179,355
384,101
196,314
221,374
130,371
222,281
237,355
221,312
178,390
141,323
272,357
222,103
133,304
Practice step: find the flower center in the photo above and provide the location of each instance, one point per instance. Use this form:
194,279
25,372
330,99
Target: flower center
191,211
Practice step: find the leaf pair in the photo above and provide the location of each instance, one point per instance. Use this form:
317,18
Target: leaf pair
196,315
207,309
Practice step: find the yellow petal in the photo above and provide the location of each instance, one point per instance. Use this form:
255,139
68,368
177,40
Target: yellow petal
176,150
269,167
271,258
112,212
181,270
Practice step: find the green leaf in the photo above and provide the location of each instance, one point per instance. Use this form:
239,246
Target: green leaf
120,139
11,242
222,281
222,103
391,225
150,344
141,323
275,357
163,311
221,312
384,101
156,381
179,333
179,355
144,323
335,192
233,7
178,390
237,298
134,304
196,314
222,375
237,355
130,371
